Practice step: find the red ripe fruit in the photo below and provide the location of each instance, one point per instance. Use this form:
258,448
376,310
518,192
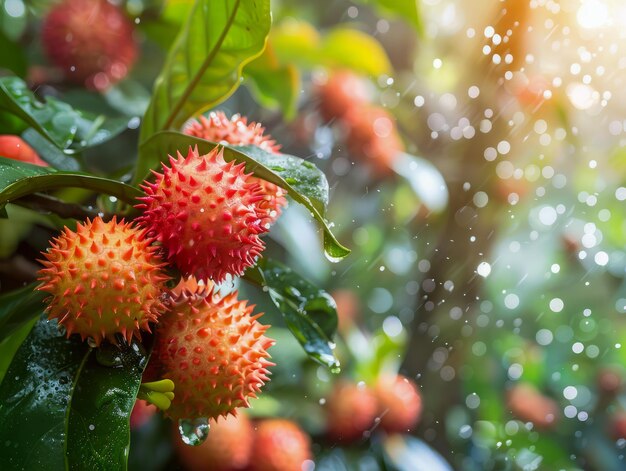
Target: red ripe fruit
529,405
91,41
13,147
341,93
399,403
207,214
351,410
213,349
618,426
372,136
141,413
280,445
236,131
227,447
105,279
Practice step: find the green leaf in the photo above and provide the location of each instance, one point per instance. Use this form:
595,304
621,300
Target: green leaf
16,62
408,10
350,48
309,312
19,179
49,152
68,129
64,408
274,85
18,308
305,183
10,344
204,65
297,42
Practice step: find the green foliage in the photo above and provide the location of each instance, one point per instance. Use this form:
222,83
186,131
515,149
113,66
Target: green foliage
309,312
18,179
68,129
71,403
297,42
205,64
408,10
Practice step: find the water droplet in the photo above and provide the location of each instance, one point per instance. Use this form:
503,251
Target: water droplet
193,431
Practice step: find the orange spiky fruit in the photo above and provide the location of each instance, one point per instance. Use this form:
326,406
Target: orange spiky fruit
91,41
280,445
13,147
237,131
207,214
228,446
340,93
351,410
214,350
104,279
399,403
372,136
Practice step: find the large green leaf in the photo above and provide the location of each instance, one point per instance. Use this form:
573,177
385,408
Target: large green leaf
10,344
66,406
304,182
67,128
309,312
19,179
205,63
18,307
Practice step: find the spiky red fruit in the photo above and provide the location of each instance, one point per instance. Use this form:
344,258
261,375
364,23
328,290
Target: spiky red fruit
280,445
237,131
141,413
105,279
351,410
213,349
13,147
227,448
90,40
207,214
340,93
399,403
529,405
372,136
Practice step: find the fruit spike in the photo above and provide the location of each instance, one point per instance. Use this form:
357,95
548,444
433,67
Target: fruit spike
207,214
91,41
213,350
236,131
105,279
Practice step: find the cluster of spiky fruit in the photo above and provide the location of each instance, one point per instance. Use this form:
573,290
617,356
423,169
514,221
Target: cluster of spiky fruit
105,280
91,41
207,214
354,410
214,350
13,147
237,131
370,131
235,443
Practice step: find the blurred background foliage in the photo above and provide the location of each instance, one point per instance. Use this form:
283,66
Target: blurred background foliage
489,265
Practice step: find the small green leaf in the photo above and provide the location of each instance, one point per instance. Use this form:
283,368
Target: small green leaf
205,63
350,48
18,308
408,10
19,179
68,129
62,408
310,313
304,182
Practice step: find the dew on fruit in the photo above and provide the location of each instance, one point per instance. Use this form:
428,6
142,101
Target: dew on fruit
193,432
